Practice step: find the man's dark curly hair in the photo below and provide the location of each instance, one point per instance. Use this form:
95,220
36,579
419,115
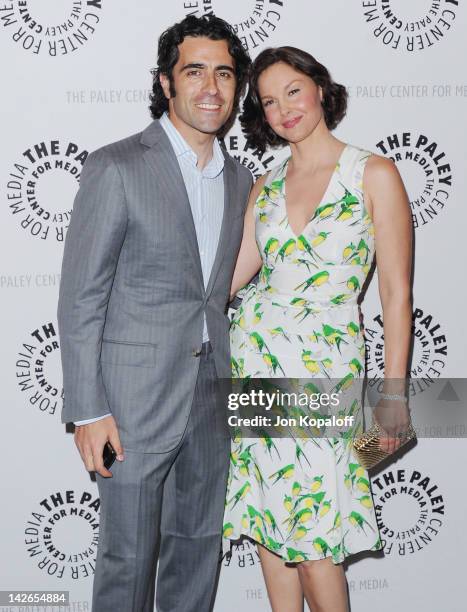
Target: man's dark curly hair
211,27
258,133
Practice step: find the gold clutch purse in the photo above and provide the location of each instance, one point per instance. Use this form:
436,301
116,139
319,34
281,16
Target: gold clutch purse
367,449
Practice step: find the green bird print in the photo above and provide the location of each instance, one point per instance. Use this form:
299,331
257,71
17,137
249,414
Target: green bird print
357,520
295,556
336,523
319,239
353,283
240,494
321,546
283,473
300,532
299,491
256,518
271,246
273,545
269,443
259,476
324,211
273,363
316,280
333,336
304,245
271,522
279,331
300,455
287,249
258,341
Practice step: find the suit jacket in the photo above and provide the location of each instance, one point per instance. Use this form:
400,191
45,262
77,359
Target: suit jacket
132,297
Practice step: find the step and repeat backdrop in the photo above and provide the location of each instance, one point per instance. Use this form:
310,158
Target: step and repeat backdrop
75,76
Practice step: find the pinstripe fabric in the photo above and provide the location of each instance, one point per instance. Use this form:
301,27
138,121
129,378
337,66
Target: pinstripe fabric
205,189
132,294
190,517
131,306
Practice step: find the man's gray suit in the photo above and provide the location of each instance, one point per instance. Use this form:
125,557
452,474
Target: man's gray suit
130,318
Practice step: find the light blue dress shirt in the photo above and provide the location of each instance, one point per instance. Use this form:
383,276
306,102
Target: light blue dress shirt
205,189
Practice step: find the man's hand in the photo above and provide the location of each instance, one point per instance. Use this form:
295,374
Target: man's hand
90,440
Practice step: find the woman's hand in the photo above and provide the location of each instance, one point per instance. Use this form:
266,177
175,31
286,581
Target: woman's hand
394,417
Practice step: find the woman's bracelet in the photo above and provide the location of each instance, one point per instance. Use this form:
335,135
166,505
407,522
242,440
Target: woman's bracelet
393,396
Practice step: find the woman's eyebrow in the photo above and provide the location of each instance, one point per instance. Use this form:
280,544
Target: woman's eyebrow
286,87
291,82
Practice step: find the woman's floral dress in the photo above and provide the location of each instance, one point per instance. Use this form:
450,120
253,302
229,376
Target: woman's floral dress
305,498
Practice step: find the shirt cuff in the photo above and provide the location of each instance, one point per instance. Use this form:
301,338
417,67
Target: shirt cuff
86,421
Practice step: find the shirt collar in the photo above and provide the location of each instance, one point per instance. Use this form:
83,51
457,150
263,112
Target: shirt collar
182,149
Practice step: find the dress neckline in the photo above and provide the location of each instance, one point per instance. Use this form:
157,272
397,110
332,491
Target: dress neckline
323,197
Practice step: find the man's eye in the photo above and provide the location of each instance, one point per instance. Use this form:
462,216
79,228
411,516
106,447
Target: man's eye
194,72
293,91
225,75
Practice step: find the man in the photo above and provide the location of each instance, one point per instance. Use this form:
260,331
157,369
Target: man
146,274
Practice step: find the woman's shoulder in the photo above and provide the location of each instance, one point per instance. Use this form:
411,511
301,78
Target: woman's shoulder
370,159
379,168
375,172
369,165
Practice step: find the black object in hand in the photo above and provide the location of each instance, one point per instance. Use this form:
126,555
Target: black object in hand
108,455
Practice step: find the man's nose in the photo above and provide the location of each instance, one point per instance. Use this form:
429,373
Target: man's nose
210,84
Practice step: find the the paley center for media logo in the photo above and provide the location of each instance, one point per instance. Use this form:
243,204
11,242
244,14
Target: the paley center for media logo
408,26
50,28
254,22
41,185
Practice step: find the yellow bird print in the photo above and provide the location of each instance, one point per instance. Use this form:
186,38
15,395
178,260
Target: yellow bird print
304,496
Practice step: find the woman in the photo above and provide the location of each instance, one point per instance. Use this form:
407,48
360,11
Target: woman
312,226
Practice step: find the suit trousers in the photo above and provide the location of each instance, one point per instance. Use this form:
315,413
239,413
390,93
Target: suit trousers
166,506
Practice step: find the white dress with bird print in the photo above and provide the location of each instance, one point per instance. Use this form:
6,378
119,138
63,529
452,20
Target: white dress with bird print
307,498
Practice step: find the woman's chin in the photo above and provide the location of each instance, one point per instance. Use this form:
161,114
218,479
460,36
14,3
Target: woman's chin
295,138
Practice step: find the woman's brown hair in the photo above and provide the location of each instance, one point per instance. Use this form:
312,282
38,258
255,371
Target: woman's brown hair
258,133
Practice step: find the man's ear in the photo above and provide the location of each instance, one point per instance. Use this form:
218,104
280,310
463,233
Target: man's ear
165,84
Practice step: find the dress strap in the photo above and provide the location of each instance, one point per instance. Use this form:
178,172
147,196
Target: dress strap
351,170
361,159
276,173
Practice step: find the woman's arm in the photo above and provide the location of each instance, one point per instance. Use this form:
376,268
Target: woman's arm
387,204
249,259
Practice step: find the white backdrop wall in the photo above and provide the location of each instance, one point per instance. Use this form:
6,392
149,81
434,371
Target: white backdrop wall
75,76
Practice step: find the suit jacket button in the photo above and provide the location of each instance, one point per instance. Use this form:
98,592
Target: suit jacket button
196,352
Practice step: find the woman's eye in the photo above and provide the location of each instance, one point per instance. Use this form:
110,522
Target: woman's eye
293,91
267,103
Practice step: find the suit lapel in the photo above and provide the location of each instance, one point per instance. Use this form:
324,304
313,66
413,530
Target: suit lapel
163,162
230,187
